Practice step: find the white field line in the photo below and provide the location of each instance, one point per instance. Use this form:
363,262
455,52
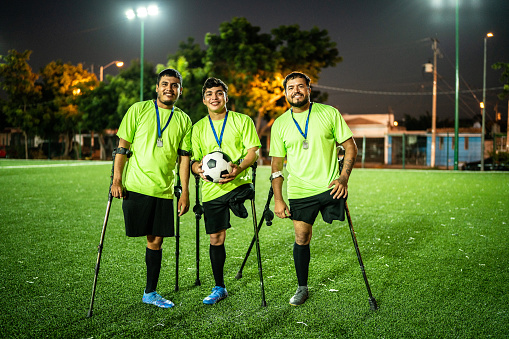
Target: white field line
91,163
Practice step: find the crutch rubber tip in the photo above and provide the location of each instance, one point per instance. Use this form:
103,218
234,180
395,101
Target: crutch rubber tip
372,304
197,282
90,313
239,275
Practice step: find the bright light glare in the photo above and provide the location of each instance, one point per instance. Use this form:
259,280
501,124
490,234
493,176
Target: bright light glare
481,104
120,63
130,14
141,12
436,3
153,10
489,35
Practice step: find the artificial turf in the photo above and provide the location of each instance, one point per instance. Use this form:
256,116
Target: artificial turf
434,244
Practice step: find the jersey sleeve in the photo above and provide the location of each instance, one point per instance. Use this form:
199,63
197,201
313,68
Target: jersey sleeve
196,142
277,146
341,130
250,135
127,128
185,146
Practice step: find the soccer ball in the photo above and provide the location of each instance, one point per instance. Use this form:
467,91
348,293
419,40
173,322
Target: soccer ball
215,165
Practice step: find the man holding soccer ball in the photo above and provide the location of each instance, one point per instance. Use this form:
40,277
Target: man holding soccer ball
235,135
307,135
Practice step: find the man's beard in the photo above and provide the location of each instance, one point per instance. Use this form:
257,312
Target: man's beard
168,102
304,102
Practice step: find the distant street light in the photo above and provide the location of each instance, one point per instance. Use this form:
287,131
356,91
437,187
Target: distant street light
489,35
101,70
142,13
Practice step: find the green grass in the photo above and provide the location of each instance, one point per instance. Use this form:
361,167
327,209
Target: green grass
434,243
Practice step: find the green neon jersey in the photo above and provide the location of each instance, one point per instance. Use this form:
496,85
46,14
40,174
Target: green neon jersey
151,169
310,170
239,136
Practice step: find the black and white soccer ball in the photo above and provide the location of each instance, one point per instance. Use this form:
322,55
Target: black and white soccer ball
215,165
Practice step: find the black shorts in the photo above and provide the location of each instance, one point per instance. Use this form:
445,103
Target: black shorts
306,209
217,211
146,215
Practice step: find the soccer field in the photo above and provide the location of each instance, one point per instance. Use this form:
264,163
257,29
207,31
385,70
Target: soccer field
434,244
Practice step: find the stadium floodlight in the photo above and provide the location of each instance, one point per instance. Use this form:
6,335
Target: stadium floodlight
142,13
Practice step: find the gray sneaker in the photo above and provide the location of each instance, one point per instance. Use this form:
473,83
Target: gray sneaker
300,296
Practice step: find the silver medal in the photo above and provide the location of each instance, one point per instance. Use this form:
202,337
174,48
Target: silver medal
305,144
159,142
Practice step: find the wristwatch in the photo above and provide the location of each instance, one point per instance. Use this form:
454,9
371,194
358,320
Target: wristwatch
276,175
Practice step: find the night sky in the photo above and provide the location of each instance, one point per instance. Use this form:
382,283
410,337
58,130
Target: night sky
384,43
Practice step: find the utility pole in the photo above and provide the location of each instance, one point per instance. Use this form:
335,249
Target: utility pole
434,106
483,128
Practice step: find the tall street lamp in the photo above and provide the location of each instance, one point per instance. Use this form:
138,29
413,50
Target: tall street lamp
489,35
142,13
434,103
101,70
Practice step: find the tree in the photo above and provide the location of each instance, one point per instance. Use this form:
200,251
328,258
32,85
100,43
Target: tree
104,106
19,82
63,84
132,73
189,60
254,64
504,78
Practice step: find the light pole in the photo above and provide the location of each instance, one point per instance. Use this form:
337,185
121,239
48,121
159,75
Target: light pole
434,104
457,88
142,13
101,70
483,106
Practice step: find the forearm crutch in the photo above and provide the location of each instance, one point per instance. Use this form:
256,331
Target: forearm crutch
105,222
257,240
178,192
198,211
267,216
372,301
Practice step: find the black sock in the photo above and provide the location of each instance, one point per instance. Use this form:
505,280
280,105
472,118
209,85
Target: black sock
217,259
153,261
301,257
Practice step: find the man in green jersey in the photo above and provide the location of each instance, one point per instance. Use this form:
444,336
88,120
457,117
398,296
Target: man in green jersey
158,134
234,134
307,135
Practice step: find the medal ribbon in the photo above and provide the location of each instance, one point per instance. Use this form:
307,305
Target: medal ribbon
159,131
220,139
305,134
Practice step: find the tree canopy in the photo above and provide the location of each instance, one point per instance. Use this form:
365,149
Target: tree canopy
19,82
504,78
64,98
253,65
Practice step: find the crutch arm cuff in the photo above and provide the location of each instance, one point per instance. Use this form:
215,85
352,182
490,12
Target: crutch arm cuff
124,151
276,175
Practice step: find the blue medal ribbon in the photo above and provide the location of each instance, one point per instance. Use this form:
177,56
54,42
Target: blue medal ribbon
159,130
305,134
220,139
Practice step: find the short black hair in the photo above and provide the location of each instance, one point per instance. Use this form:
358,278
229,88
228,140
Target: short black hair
214,82
294,75
171,73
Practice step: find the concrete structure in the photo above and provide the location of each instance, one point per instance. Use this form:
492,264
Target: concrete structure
371,134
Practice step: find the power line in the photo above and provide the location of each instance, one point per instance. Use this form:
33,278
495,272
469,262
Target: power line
358,91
